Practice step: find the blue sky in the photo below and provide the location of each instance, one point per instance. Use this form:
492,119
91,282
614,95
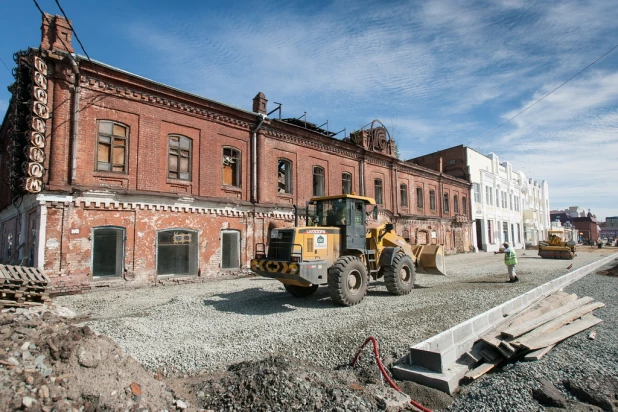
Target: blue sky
436,73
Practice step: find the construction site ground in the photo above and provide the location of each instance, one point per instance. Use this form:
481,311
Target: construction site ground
245,344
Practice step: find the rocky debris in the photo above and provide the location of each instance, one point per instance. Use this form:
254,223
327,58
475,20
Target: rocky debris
601,391
548,395
48,364
281,383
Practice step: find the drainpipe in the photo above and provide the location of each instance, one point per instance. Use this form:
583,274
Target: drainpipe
362,177
261,117
295,215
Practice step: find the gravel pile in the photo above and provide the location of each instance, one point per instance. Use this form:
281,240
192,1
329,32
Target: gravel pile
582,369
281,383
209,326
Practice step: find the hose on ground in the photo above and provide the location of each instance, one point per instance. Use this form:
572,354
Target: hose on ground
383,369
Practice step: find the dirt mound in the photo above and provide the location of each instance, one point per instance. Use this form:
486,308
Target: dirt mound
613,271
46,363
281,383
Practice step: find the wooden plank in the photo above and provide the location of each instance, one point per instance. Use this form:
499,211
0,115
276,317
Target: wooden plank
490,354
24,274
519,330
561,334
538,354
8,273
482,370
3,275
559,322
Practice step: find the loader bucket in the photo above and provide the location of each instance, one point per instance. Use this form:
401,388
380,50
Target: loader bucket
429,259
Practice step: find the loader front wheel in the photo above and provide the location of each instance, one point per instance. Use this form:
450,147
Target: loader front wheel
347,281
300,291
399,277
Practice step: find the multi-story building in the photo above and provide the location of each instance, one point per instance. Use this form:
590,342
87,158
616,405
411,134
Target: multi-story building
112,177
588,227
506,207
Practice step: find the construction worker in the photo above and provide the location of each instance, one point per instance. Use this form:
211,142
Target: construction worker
510,260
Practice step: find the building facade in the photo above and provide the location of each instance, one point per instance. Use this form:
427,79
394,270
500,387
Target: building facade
112,177
588,228
506,206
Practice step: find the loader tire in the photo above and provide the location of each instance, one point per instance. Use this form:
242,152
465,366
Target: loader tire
399,277
347,281
300,291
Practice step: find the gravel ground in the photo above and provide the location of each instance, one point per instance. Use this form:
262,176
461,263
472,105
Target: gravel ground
577,359
209,326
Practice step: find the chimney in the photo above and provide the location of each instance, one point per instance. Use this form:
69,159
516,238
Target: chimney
56,34
439,164
259,103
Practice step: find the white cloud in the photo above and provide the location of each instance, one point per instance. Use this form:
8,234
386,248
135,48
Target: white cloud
441,72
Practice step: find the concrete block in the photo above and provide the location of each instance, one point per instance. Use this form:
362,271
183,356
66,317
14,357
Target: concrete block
426,359
480,324
462,332
440,342
446,382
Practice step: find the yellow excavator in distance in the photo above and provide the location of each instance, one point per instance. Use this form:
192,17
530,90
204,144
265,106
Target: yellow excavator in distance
337,249
555,247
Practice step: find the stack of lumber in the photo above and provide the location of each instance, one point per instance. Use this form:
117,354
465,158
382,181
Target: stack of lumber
23,286
533,332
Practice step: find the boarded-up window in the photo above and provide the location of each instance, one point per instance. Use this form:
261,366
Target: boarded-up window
419,197
107,251
432,200
346,183
464,206
421,238
456,204
284,170
230,249
179,157
112,147
403,192
231,167
318,181
446,208
377,187
177,252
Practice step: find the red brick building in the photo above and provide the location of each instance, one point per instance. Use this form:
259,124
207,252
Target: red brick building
112,177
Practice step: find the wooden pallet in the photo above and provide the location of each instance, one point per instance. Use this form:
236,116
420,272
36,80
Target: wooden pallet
22,286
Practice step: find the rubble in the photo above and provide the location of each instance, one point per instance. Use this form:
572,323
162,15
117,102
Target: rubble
48,364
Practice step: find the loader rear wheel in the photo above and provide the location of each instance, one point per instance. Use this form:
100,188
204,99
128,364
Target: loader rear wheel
399,277
300,291
347,281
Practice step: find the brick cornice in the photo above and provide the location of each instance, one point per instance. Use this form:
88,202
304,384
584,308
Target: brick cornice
102,86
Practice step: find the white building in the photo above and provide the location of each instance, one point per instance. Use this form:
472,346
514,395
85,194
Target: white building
505,205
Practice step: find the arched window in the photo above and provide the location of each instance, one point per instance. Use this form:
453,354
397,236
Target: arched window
107,251
464,206
179,157
112,147
318,181
377,185
432,200
284,171
446,208
231,167
403,192
456,204
419,197
177,252
230,249
346,183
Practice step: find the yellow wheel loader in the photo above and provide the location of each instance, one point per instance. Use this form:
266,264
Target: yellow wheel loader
555,247
337,249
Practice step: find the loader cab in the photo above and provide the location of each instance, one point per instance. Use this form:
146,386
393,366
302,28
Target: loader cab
346,212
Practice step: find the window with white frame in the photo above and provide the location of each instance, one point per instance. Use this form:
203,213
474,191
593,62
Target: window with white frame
477,193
